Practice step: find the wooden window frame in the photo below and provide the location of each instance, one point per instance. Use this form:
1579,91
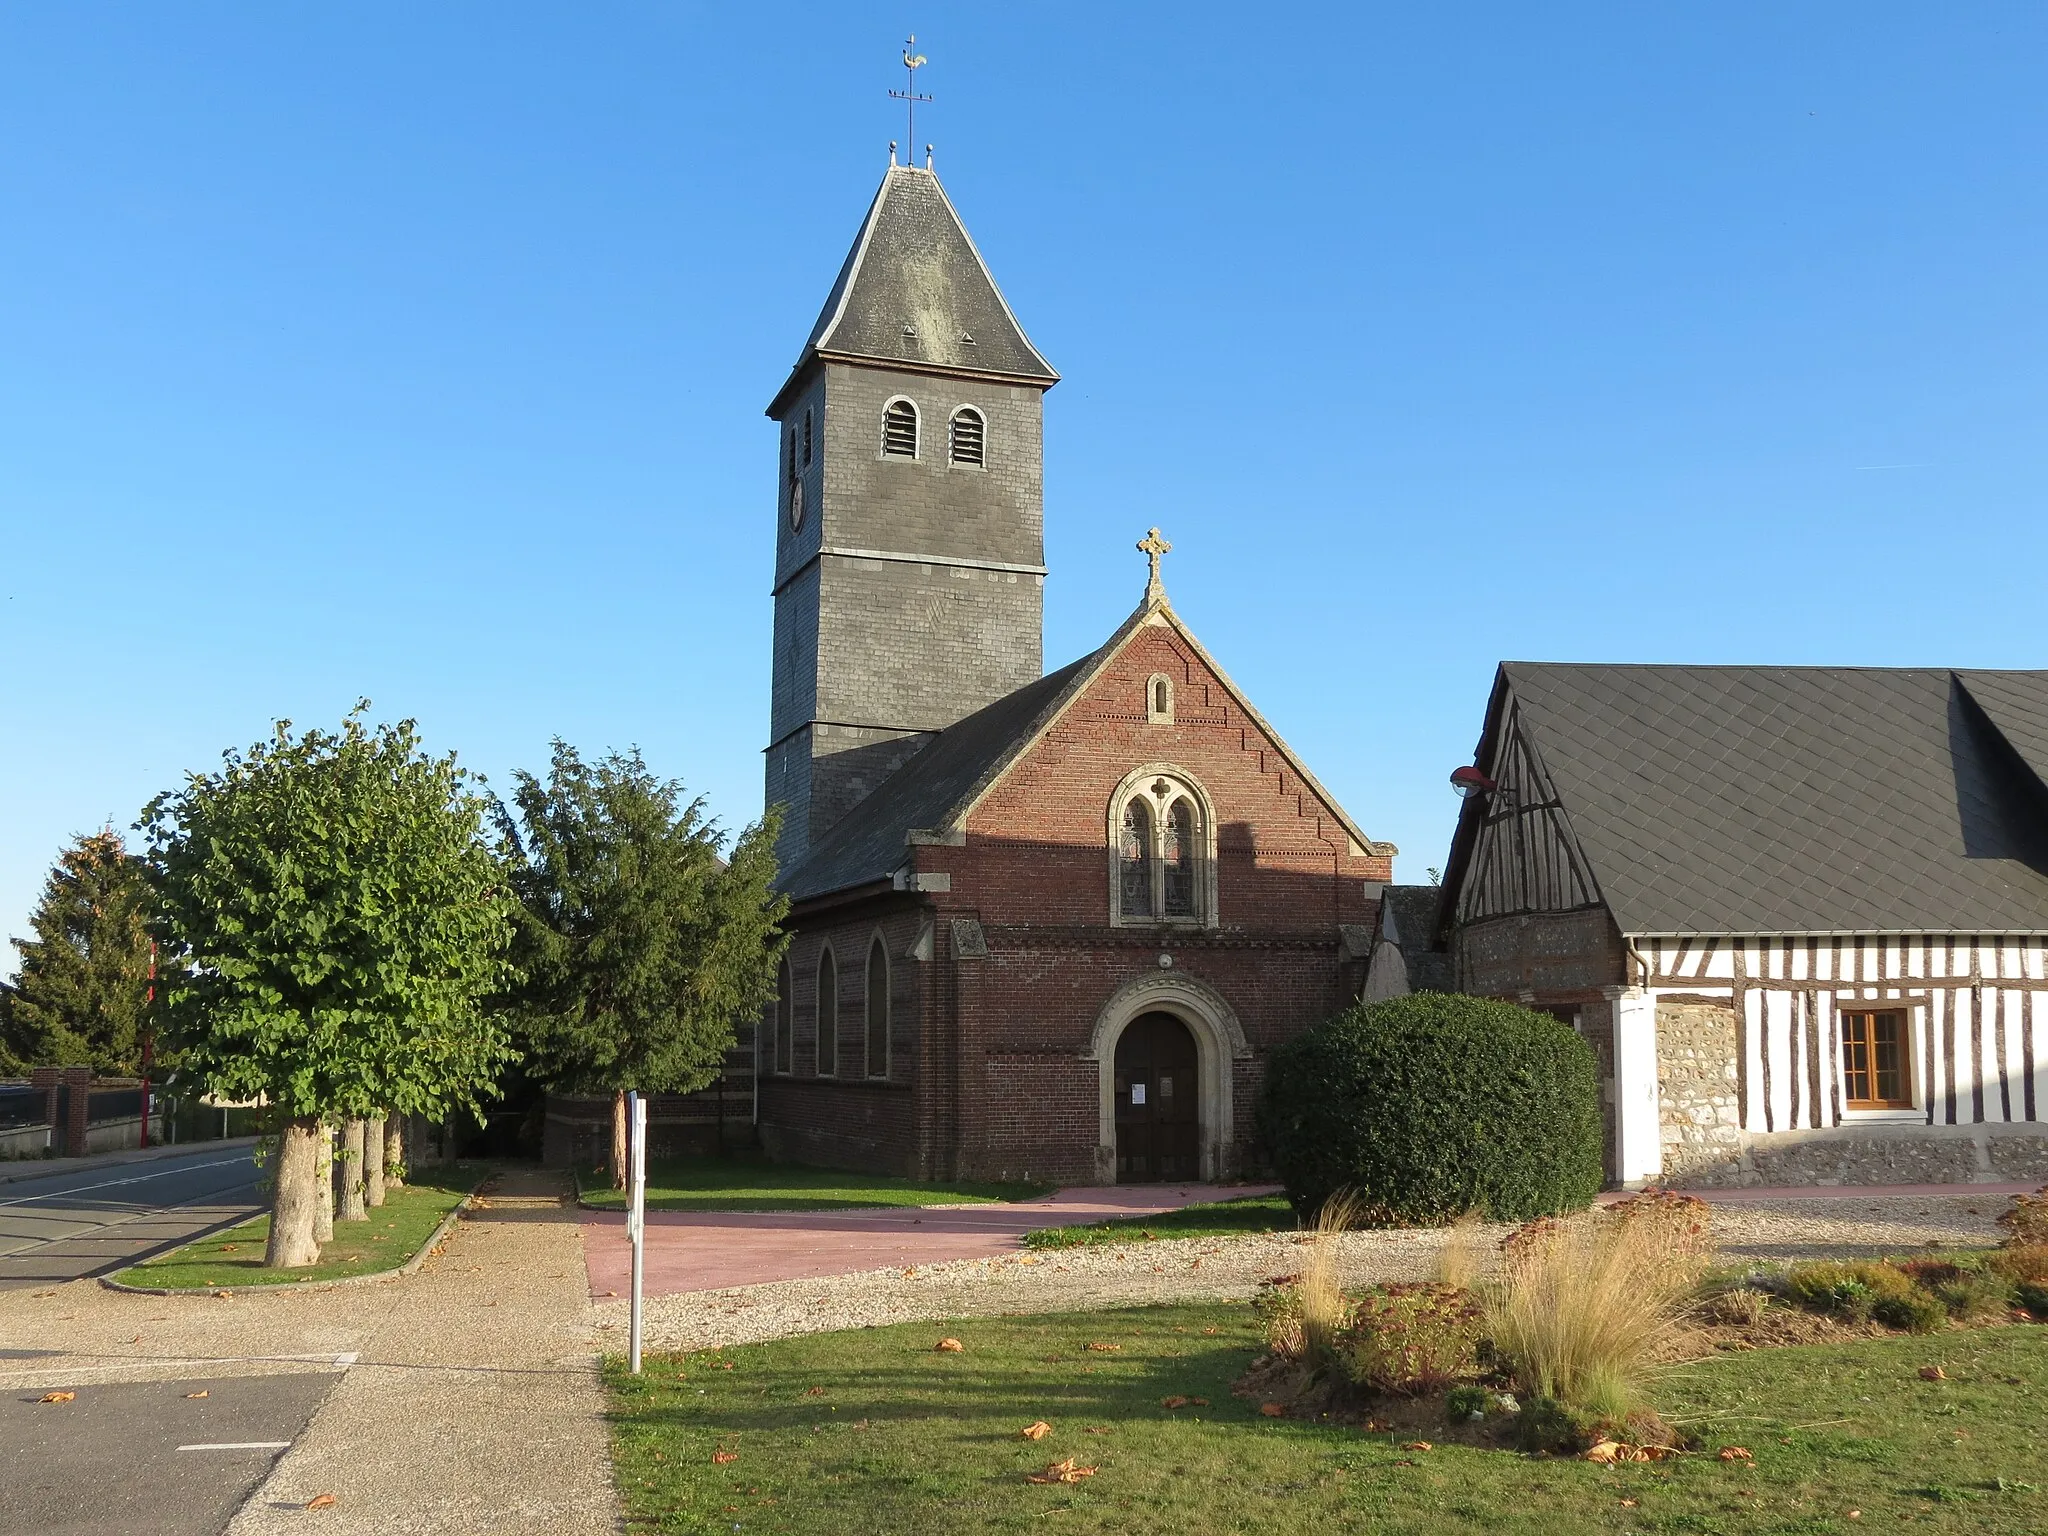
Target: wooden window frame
1868,1047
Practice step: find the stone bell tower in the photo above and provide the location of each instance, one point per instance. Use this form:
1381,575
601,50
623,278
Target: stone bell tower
910,550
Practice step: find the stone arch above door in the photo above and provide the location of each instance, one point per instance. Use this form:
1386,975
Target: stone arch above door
1219,1045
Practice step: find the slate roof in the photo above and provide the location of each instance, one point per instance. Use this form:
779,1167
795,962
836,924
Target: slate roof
937,787
1409,917
1800,799
914,291
867,844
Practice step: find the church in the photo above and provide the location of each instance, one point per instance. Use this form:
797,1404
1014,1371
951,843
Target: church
1044,925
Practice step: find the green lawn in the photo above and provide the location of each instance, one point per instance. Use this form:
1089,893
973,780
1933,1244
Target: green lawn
1222,1218
755,1184
391,1236
871,1431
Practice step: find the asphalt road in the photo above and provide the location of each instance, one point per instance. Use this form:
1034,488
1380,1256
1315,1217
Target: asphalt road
146,1458
92,1220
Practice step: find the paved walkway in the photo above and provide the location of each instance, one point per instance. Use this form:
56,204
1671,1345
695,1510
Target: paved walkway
704,1251
466,1399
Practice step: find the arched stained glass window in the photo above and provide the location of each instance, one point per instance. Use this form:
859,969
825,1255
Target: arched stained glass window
828,1015
878,1010
1134,862
1177,853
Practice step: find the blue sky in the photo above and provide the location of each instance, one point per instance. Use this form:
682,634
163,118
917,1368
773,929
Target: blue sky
420,352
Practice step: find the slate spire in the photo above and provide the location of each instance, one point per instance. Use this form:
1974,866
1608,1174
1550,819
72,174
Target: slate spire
914,293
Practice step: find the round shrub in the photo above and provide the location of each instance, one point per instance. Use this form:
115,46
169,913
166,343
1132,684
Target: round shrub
1429,1106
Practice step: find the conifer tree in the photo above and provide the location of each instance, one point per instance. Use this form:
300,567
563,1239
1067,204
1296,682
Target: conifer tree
639,946
84,982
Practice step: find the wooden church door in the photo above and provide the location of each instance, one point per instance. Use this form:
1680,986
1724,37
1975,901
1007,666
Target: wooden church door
1158,1119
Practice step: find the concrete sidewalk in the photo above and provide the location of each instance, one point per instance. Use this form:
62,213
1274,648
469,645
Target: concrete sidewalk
468,1399
706,1251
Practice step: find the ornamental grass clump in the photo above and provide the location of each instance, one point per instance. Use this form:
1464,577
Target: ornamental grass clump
1306,1316
1581,1302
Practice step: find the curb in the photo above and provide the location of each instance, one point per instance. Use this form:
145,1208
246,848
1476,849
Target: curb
377,1277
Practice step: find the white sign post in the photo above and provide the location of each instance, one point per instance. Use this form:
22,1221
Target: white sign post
636,1212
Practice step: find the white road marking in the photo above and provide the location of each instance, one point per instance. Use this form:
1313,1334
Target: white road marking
140,1178
239,1445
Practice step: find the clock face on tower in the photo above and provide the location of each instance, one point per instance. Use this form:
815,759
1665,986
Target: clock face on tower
796,503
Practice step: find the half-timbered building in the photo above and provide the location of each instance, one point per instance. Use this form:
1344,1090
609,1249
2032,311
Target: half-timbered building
1801,913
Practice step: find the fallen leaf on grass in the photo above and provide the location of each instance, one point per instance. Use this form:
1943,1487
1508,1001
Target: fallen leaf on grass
948,1347
229,1247
1060,1472
57,1397
1406,1461
1611,1451
720,1458
1933,1373
1417,1445
1184,1402
196,1394
1038,1429
1096,1429
1210,1332
1377,1427
1735,1453
1273,1410
1628,1503
814,1391
1105,1349
322,1501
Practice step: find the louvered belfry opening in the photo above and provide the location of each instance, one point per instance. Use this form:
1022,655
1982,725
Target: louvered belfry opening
969,434
899,430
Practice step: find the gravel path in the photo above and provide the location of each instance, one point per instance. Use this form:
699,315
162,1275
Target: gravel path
1184,1269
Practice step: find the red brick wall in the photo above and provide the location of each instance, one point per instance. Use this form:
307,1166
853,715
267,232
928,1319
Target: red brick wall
992,1082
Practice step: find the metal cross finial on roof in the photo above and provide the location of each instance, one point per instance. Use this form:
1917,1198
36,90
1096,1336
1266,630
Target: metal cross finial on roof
912,62
1153,546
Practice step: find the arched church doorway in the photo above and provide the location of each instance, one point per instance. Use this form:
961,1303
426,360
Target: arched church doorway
1158,1101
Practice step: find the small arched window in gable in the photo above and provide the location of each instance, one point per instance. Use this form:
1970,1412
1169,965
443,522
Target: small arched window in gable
878,1009
969,437
1134,860
899,430
828,1015
1159,700
782,1047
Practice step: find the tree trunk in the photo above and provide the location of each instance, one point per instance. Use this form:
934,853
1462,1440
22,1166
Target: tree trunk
394,1151
296,1201
619,1139
323,1185
352,1208
373,1161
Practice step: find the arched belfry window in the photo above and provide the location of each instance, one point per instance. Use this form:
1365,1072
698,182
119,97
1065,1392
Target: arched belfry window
1163,850
899,430
969,437
782,1048
828,1014
878,1009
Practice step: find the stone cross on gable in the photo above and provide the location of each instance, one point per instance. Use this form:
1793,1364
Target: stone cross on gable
1153,546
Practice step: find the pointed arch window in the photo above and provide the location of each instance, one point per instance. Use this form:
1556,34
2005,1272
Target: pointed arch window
782,1046
828,1014
878,1009
1163,851
1134,860
899,430
969,437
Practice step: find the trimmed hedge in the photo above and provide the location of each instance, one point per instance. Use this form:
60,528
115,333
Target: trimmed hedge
1433,1105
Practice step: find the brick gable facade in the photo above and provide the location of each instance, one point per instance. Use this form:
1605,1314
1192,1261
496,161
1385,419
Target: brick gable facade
1009,983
